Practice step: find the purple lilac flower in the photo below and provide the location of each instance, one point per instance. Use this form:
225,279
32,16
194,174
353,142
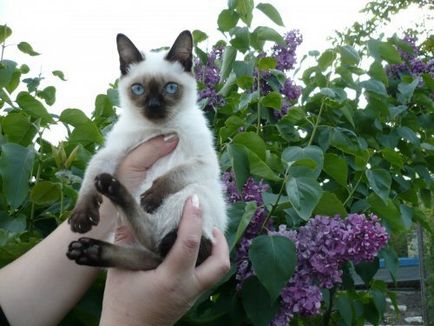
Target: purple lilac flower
323,245
285,54
413,64
363,237
252,191
209,75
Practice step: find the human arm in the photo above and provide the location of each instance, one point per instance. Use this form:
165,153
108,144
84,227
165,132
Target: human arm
41,286
162,296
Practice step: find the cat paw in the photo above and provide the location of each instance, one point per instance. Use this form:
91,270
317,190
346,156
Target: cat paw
85,214
152,198
107,185
85,251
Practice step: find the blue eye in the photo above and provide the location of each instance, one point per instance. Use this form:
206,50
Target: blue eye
171,88
137,89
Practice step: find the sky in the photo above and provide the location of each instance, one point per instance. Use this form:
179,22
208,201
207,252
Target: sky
78,37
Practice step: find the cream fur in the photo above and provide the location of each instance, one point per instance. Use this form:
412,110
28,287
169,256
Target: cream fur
195,142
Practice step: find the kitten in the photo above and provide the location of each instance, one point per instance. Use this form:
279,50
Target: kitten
157,92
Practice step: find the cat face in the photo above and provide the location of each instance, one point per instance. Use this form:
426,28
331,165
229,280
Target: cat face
156,85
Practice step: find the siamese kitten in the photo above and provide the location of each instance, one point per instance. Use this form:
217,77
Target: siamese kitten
158,97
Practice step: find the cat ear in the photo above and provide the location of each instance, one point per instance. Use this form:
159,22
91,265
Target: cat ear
181,50
128,53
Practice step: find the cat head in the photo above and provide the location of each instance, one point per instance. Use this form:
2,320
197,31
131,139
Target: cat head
157,85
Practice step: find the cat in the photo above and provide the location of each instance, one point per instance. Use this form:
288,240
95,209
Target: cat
158,96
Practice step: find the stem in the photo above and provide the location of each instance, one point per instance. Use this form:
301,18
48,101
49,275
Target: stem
353,190
285,179
316,123
32,209
328,312
61,201
258,126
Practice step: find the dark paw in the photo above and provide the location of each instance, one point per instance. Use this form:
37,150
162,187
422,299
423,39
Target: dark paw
107,185
85,251
85,214
150,200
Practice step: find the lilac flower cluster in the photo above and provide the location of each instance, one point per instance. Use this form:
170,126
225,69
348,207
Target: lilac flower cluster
285,60
208,76
413,63
252,191
285,54
323,245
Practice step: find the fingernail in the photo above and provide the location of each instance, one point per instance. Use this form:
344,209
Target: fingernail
195,201
170,138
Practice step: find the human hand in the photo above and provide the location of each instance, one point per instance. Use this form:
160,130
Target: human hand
163,295
132,170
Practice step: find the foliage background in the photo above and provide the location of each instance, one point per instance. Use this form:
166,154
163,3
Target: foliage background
349,137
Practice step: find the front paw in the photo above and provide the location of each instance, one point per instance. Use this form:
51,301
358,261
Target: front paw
85,214
85,251
107,185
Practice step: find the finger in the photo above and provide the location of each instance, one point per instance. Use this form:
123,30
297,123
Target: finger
216,265
183,255
146,154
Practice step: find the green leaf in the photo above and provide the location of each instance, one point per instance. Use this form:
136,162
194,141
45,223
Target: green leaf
389,53
252,141
343,303
18,128
244,8
227,20
264,33
260,312
5,32
380,181
330,205
45,192
273,259
408,134
336,167
266,63
376,71
7,70
249,211
27,48
367,270
271,12
33,107
272,100
349,55
48,94
59,74
406,91
229,56
379,301
16,164
391,261
304,194
241,40
386,211
393,157
85,131
308,161
326,59
259,168
374,86
13,224
199,36
240,164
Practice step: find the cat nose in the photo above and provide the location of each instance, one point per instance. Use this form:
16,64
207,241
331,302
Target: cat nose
154,103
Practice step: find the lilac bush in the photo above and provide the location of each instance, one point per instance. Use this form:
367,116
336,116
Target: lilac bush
323,245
